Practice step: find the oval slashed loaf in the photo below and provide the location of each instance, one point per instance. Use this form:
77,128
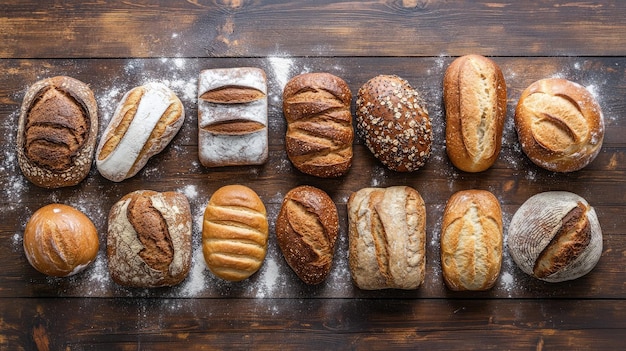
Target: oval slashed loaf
319,124
234,233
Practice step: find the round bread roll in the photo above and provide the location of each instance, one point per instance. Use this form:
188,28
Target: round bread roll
392,120
234,233
555,236
559,124
306,230
60,241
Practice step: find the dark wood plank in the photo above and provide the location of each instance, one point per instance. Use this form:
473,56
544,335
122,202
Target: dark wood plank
235,28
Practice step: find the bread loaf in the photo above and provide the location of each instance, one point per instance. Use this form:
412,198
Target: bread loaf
559,124
60,241
232,117
306,230
555,236
474,94
145,121
57,131
393,122
234,233
319,124
471,240
387,238
149,239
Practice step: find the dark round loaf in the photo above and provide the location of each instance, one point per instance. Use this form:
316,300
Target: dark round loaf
393,122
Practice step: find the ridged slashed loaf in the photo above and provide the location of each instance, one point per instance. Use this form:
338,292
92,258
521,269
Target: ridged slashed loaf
149,239
145,121
555,236
471,240
232,117
56,133
474,94
319,124
387,238
393,122
559,124
234,233
306,230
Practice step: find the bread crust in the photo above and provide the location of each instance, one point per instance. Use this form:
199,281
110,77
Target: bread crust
559,124
319,124
474,93
471,240
69,114
306,230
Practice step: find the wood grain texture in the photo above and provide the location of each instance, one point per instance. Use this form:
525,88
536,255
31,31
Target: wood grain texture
115,46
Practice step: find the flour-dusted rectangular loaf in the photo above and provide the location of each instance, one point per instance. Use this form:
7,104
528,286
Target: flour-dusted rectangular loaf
232,117
145,121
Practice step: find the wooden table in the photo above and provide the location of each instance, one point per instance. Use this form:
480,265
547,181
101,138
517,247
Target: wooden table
116,45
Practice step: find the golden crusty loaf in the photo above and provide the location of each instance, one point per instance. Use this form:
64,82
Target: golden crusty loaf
57,131
232,117
60,241
471,240
559,124
306,230
555,236
145,121
474,94
319,124
149,239
393,122
234,233
387,238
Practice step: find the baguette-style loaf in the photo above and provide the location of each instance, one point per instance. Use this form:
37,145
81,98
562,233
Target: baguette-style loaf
555,236
234,233
393,122
56,133
474,94
149,239
145,121
306,230
319,124
232,117
387,238
559,124
471,240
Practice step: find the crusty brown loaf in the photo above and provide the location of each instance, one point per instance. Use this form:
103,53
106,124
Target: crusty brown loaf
234,232
319,124
60,241
559,124
306,230
117,158
555,236
393,122
471,240
57,132
149,239
387,238
474,94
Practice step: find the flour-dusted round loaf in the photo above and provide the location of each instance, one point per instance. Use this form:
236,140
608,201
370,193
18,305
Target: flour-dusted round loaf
306,230
56,133
559,124
471,240
555,236
387,238
394,123
145,121
319,124
60,240
234,233
474,95
149,239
